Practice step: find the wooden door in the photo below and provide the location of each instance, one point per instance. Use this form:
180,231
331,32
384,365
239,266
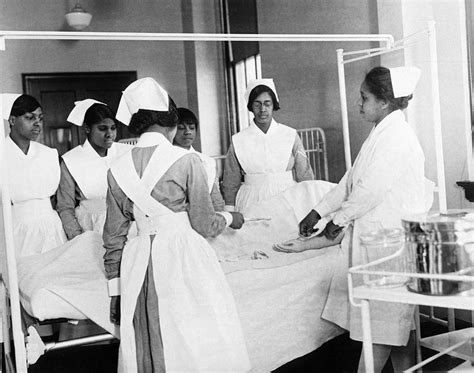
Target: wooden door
57,92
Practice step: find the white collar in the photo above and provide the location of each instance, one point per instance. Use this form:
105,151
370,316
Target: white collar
31,149
273,126
89,149
394,117
151,139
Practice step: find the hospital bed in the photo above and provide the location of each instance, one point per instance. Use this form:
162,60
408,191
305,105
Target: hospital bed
279,297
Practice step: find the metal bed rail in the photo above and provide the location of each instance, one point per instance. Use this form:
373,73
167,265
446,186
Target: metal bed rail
314,142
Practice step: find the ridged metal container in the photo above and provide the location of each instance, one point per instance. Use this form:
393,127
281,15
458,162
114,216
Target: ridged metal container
440,244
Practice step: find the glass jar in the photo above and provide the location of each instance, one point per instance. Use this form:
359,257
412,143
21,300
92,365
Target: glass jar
383,243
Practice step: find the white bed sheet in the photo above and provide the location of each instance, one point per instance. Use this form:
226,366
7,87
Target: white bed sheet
279,299
280,307
67,282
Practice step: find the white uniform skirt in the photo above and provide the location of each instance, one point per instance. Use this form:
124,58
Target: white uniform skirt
37,228
259,187
198,318
390,322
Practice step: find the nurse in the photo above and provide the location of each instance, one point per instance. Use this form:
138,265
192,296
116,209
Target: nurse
33,177
385,183
268,155
185,136
83,185
176,310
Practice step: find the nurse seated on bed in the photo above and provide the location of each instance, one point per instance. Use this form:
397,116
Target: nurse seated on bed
83,185
185,136
268,155
33,177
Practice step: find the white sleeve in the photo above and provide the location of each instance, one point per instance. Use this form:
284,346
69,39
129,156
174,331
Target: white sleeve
377,179
333,200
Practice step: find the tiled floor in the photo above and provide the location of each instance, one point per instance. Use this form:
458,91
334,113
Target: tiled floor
339,355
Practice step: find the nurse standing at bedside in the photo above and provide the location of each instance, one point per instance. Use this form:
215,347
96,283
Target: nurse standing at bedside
184,138
83,185
168,291
268,155
33,177
385,184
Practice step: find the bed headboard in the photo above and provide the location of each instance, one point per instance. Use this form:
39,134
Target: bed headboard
314,142
130,141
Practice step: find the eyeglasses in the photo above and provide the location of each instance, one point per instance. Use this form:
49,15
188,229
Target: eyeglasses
265,104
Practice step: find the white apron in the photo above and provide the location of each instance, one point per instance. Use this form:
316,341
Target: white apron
210,167
89,171
411,193
33,178
199,323
264,158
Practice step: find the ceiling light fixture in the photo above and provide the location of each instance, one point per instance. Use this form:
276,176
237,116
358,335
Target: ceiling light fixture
78,18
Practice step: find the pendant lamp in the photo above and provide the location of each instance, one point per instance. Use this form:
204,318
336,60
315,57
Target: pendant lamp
78,18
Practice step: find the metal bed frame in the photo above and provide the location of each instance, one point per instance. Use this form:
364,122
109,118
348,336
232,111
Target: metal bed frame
314,142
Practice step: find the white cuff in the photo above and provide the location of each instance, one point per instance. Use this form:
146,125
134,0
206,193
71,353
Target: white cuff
114,286
322,208
227,216
340,220
230,208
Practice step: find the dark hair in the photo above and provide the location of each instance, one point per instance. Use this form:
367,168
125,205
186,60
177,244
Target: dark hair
257,91
24,104
187,116
97,113
143,119
379,83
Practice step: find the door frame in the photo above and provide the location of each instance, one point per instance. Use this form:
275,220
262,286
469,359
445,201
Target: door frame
31,82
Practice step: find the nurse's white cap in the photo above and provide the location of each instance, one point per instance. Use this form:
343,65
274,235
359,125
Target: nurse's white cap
256,82
404,80
76,116
145,94
8,99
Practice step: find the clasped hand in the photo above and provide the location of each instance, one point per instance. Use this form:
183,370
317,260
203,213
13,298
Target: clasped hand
237,220
306,225
332,230
309,225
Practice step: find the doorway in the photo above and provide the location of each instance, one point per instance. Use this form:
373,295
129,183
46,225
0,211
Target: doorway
57,93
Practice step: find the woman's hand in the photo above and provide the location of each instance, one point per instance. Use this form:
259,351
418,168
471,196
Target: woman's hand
332,230
115,309
307,224
237,220
294,246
